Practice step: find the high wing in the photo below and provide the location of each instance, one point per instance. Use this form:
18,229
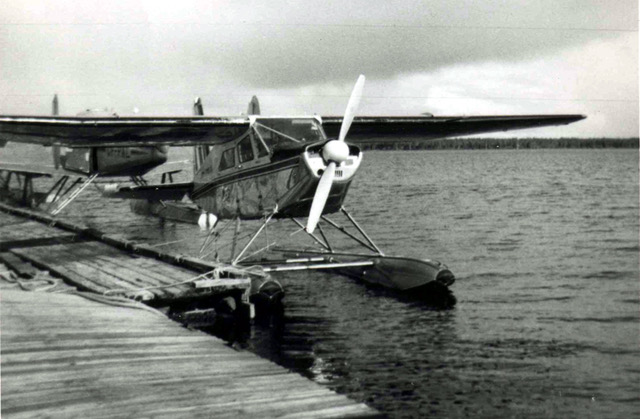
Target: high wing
189,131
430,127
121,131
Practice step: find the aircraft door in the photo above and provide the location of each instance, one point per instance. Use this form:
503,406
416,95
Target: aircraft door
249,153
245,152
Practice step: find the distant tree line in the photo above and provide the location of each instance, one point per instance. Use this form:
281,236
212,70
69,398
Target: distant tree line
501,143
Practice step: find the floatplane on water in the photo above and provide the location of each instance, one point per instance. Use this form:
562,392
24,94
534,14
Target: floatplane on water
255,167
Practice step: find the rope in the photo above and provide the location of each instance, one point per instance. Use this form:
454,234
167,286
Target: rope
42,282
50,284
252,270
109,300
215,272
5,272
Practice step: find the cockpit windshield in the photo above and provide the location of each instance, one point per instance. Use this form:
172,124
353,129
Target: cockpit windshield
280,131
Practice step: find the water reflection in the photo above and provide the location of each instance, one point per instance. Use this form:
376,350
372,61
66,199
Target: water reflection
317,333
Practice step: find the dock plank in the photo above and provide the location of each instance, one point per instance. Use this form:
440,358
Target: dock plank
99,268
102,369
99,263
115,279
79,258
85,284
130,264
23,269
25,230
164,273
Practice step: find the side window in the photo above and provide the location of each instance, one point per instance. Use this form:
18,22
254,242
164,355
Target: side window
227,160
245,150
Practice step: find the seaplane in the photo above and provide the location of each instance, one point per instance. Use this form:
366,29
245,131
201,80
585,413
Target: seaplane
271,168
85,164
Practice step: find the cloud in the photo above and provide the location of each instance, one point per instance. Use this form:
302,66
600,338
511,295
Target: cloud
284,44
598,79
443,56
320,42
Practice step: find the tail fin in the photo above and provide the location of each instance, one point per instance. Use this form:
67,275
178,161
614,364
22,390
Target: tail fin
200,151
254,107
56,148
54,106
197,107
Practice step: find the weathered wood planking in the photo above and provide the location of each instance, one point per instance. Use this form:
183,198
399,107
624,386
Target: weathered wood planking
75,254
16,264
66,356
16,228
100,268
81,260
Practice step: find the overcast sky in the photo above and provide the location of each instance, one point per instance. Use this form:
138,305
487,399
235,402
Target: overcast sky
446,57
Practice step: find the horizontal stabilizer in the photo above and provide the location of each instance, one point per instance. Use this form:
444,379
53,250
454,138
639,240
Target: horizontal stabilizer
164,192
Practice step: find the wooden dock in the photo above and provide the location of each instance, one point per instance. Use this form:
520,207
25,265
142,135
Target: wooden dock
84,350
103,264
68,356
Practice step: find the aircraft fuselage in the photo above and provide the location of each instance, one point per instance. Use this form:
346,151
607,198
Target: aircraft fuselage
107,161
276,163
113,161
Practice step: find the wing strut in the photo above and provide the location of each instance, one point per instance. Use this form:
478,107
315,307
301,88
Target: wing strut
74,194
238,258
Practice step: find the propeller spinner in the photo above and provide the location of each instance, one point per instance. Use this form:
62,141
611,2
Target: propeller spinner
335,152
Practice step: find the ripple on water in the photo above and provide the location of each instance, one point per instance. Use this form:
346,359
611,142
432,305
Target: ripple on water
509,349
610,275
606,320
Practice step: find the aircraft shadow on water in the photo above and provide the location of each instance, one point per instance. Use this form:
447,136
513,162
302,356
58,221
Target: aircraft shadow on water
250,167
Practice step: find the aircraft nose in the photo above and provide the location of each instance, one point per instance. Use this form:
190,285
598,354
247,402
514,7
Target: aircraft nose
164,149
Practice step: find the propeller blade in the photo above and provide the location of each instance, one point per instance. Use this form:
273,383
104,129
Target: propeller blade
352,107
320,198
335,153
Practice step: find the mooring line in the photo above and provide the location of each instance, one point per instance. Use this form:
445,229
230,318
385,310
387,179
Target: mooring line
215,272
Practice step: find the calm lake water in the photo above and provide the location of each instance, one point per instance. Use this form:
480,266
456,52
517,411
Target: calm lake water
544,245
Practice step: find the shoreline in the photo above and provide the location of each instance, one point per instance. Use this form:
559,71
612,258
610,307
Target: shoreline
501,143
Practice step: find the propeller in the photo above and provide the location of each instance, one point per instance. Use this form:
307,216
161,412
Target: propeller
334,152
